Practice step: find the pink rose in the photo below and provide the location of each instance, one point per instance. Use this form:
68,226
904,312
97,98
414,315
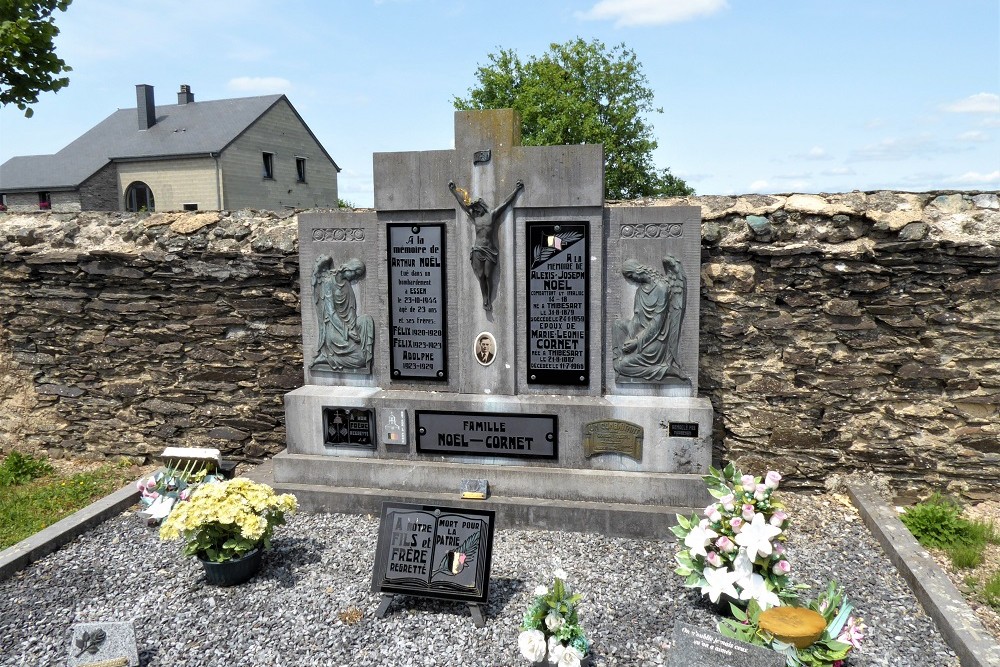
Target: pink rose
748,512
725,545
749,483
781,568
779,548
727,502
778,519
714,559
760,492
736,523
772,479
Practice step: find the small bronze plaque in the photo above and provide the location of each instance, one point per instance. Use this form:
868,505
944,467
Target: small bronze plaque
613,436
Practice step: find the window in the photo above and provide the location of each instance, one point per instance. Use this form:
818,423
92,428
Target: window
190,207
268,165
300,169
3,202
44,200
138,197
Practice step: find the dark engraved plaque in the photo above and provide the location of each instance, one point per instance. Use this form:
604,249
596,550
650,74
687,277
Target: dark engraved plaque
417,338
612,436
435,552
698,647
348,427
558,285
487,434
683,429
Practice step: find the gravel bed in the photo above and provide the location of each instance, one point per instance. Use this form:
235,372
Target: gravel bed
301,609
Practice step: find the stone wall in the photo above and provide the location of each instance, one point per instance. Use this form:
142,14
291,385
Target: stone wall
840,333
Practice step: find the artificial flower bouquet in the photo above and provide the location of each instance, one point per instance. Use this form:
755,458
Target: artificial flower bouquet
551,629
159,492
227,520
736,549
842,634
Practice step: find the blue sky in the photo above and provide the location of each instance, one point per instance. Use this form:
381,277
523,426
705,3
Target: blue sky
769,96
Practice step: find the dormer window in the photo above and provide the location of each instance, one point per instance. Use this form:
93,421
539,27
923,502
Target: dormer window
300,169
268,171
44,201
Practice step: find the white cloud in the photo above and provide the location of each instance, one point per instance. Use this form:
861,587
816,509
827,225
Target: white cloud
759,186
978,103
974,135
990,122
898,149
975,178
817,153
261,85
651,12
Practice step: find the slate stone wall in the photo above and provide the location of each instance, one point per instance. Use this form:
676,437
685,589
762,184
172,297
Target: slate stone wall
839,333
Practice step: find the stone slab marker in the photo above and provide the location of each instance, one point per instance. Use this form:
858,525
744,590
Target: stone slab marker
492,312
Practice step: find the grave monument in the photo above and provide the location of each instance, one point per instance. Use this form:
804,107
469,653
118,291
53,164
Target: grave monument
491,319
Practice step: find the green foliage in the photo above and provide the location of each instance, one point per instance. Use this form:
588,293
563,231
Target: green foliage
28,61
936,522
27,508
991,591
560,603
20,469
582,93
343,203
965,555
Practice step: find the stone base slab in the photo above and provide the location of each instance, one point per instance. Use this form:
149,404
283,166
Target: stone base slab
660,452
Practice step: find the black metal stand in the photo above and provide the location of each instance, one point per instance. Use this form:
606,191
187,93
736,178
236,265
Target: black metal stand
383,606
477,615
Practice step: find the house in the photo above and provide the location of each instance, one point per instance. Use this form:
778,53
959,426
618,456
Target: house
250,152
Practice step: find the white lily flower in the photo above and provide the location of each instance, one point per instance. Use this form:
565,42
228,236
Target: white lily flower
742,569
755,588
698,539
756,537
719,582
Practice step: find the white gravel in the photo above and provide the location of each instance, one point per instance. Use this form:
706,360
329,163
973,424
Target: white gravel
321,566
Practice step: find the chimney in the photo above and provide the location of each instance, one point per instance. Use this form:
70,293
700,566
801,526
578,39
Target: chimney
145,106
185,96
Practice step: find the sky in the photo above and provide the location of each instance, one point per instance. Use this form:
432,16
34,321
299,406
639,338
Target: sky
757,96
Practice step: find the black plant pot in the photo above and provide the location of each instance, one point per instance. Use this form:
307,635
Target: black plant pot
232,572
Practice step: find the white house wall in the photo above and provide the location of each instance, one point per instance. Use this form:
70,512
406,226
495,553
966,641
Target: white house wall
280,132
174,182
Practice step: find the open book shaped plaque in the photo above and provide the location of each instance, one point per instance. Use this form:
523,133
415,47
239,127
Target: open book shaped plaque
435,552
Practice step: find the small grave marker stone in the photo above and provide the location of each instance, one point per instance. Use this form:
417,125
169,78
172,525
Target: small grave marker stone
111,643
697,647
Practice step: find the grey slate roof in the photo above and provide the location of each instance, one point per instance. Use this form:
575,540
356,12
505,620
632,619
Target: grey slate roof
197,128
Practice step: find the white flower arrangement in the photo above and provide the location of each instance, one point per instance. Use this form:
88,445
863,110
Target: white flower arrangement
736,549
551,629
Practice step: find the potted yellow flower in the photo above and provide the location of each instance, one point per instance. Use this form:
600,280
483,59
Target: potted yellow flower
227,525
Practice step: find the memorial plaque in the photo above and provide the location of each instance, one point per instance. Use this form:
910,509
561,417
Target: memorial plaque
558,285
348,427
416,262
111,643
436,552
612,436
683,429
487,434
698,647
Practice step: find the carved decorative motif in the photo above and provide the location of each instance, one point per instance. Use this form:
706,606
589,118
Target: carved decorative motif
339,234
345,338
652,231
645,346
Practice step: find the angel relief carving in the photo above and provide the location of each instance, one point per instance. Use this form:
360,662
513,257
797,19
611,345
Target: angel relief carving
345,338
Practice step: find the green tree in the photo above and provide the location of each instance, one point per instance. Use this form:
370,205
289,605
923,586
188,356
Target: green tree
28,61
582,93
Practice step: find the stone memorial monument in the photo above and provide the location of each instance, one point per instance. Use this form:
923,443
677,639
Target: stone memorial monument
493,319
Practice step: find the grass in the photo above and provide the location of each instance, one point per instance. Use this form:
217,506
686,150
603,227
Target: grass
938,522
33,496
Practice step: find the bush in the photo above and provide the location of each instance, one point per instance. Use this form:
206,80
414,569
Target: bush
20,469
936,522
